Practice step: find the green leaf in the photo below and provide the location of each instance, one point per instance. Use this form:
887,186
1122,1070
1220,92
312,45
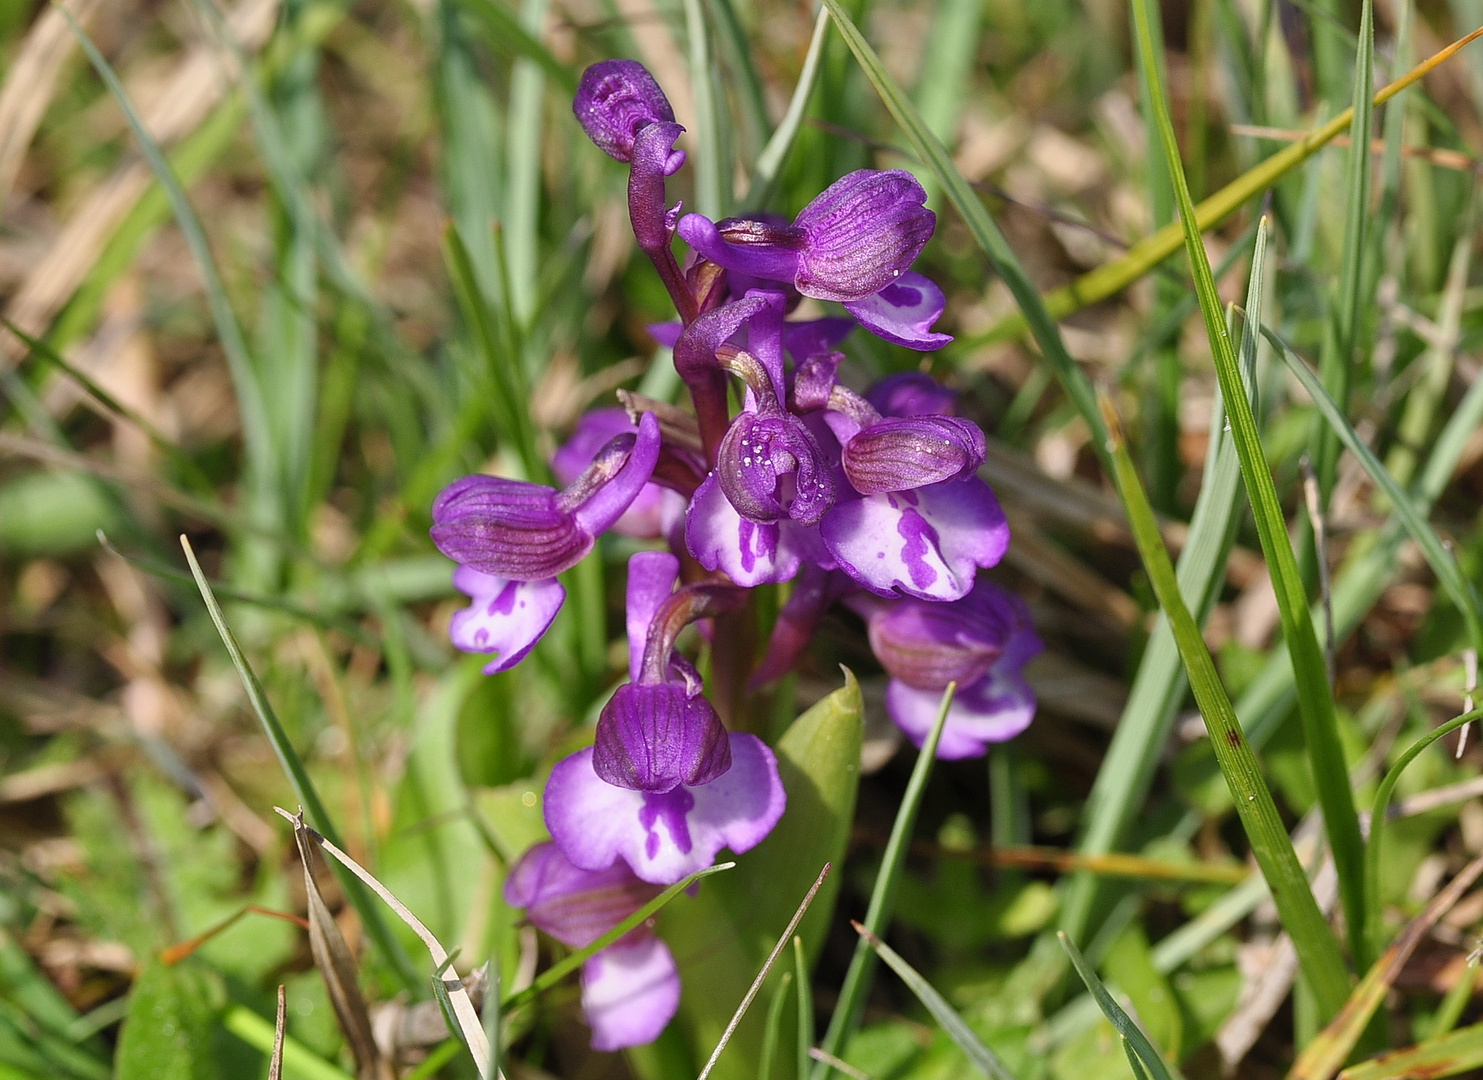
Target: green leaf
721,937
770,162
168,1032
1315,697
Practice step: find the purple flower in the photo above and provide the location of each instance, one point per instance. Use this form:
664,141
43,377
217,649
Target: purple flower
912,393
901,453
525,532
631,989
749,552
770,466
655,511
506,617
658,731
616,100
903,312
857,237
927,543
664,837
981,642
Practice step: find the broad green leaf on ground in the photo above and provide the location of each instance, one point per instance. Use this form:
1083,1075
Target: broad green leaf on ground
168,1032
722,935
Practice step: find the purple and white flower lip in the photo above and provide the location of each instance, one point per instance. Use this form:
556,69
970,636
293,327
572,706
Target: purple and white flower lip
903,312
981,642
664,837
525,532
631,989
860,234
616,100
506,617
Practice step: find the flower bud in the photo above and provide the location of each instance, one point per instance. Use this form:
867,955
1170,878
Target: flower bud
617,99
903,453
655,737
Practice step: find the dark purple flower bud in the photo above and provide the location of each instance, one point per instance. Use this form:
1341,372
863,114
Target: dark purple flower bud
770,467
526,532
617,99
656,737
862,233
902,453
903,312
912,393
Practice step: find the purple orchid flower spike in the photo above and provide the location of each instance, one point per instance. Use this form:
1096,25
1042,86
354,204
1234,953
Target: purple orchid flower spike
659,732
981,642
852,241
631,989
655,510
525,532
664,837
506,617
616,100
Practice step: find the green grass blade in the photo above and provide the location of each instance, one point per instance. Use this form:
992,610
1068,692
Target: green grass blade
772,1032
1434,1059
298,1060
805,1007
1318,952
1132,757
1315,697
712,172
573,960
852,994
746,84
943,85
523,181
769,167
962,1035
981,226
255,425
304,790
1338,356
1143,1051
509,35
1442,562
1113,277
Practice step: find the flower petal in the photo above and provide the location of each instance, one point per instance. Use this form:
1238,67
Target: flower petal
750,553
664,838
656,737
995,709
899,453
630,991
903,312
927,543
506,617
605,505
651,578
863,231
573,905
912,393
507,528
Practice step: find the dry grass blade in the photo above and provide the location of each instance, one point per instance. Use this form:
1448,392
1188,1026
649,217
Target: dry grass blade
447,982
337,969
838,1063
1326,1054
752,991
275,1063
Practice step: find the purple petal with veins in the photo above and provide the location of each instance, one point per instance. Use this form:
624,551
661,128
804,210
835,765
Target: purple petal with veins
898,453
573,905
927,543
654,737
506,617
770,466
903,312
630,991
653,510
664,838
617,99
864,232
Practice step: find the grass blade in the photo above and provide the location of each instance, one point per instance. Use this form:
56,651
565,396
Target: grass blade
747,85
1341,338
298,1059
805,1006
771,1033
1310,670
766,173
712,174
983,229
987,1061
852,993
1436,1058
1113,277
1142,1050
275,1061
298,778
523,182
943,85
573,960
1318,952
510,36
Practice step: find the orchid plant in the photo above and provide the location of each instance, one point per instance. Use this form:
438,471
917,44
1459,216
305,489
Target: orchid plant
870,500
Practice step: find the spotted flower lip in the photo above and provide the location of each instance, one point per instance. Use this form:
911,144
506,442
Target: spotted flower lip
667,836
615,100
526,532
901,453
861,234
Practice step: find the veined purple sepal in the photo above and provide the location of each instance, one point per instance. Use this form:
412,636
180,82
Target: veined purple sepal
770,467
903,312
927,543
756,249
901,453
928,645
526,532
912,393
655,737
506,617
654,510
617,99
664,837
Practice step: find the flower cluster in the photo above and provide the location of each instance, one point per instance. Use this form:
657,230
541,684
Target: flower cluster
871,500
